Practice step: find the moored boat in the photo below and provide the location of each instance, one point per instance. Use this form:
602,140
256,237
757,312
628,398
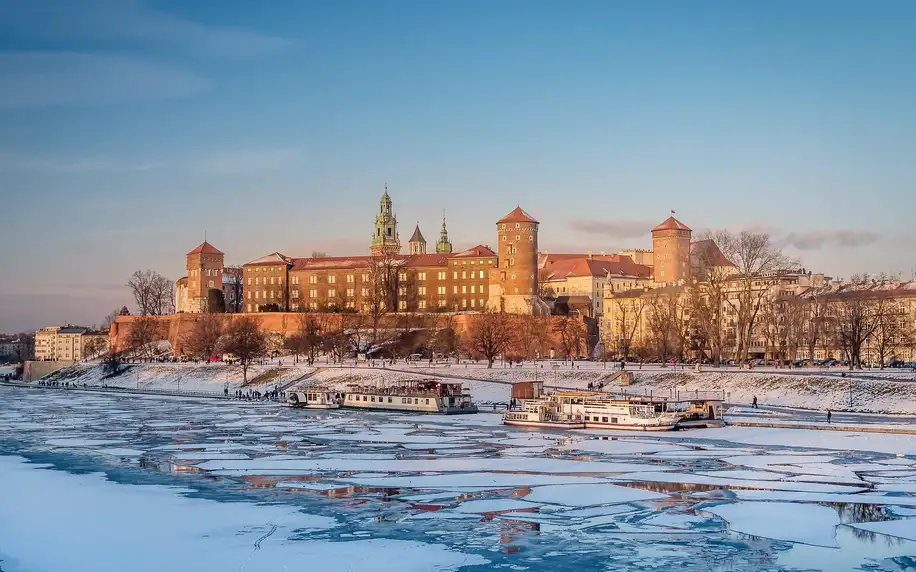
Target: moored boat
314,398
419,396
531,407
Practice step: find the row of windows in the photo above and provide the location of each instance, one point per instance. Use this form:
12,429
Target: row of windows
372,399
350,278
455,262
258,280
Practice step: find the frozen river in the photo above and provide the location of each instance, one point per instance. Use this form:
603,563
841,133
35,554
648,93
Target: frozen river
118,482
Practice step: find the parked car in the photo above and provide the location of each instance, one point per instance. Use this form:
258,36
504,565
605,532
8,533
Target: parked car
896,363
230,358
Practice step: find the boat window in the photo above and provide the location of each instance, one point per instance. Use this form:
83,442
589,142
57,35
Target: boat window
613,420
427,401
365,398
604,419
389,400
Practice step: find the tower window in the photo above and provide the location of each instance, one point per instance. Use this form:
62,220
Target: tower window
389,231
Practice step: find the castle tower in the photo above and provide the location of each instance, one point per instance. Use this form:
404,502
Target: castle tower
416,244
514,281
671,251
205,272
443,246
385,238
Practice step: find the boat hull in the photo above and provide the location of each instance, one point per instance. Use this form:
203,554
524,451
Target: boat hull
543,424
620,426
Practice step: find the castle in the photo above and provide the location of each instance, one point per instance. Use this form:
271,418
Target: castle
515,278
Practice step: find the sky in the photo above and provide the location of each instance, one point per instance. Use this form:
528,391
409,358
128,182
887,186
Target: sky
130,128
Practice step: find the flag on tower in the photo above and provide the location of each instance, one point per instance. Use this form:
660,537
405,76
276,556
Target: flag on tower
672,211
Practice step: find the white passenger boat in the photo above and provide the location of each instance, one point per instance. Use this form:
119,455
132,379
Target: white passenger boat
531,407
420,396
314,398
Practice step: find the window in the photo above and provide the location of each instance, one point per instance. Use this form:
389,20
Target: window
473,302
313,279
351,292
249,280
442,276
249,305
422,304
422,290
455,276
249,294
364,292
210,284
402,276
313,293
349,279
481,303
481,274
257,295
464,303
295,293
294,307
473,289
441,290
365,277
464,289
271,280
332,279
257,281
313,305
402,304
332,292
454,289
421,276
464,275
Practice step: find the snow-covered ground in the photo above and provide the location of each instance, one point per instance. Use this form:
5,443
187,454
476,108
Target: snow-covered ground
185,377
879,393
95,476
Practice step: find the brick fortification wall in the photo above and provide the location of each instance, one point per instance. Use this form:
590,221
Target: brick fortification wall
178,326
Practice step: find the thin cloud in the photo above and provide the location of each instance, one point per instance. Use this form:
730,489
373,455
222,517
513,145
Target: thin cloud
96,164
135,24
246,161
42,79
840,238
614,228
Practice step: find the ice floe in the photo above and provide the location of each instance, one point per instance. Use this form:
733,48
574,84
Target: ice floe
793,522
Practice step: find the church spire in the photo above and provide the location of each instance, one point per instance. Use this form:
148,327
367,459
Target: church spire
385,239
444,246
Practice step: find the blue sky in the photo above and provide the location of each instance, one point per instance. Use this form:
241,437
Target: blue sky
129,127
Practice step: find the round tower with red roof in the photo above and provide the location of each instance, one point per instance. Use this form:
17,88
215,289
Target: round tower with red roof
514,281
671,251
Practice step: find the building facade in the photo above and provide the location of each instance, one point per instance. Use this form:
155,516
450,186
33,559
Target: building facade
69,343
671,251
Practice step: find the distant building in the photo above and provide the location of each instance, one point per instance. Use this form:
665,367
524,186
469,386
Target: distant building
15,349
65,343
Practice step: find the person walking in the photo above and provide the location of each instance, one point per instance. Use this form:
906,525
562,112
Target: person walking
828,416
754,403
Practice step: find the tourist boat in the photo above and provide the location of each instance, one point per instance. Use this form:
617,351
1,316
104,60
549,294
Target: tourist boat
418,396
314,398
531,407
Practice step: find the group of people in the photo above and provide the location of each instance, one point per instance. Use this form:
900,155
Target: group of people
58,384
255,395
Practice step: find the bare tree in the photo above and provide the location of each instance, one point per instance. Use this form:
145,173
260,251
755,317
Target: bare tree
664,318
757,262
534,336
319,254
855,315
571,335
245,340
381,296
109,319
707,301
236,288
892,331
815,327
489,334
203,339
309,339
143,332
94,346
629,316
153,293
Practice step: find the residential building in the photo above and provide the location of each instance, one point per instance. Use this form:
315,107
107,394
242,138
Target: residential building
68,343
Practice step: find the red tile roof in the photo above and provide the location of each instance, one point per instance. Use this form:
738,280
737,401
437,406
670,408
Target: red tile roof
707,252
205,248
571,267
517,215
671,223
481,250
